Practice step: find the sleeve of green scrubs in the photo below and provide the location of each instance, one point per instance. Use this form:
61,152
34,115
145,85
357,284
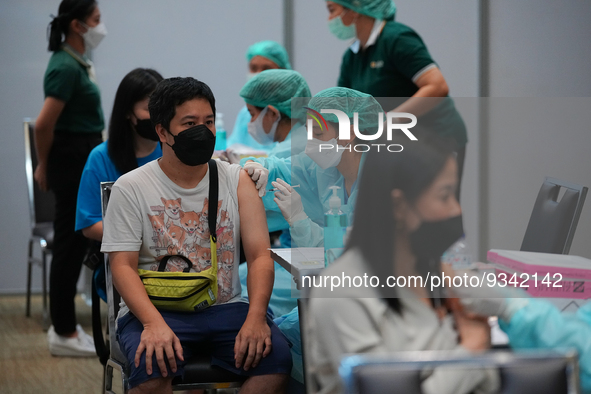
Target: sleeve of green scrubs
61,82
409,54
540,325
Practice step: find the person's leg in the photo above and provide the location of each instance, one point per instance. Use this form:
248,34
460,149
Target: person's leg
265,384
66,162
272,373
153,386
68,253
129,332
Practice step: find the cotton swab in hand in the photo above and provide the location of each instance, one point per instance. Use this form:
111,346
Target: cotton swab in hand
275,189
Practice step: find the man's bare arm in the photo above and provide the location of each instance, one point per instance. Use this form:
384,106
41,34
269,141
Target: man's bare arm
157,337
254,340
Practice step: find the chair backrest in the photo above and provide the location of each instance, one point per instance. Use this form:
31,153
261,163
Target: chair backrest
113,297
41,204
552,224
540,372
309,380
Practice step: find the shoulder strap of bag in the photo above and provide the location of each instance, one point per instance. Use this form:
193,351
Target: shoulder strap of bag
213,214
213,199
212,219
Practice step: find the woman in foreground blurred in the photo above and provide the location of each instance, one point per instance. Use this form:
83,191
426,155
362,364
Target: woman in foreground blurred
406,216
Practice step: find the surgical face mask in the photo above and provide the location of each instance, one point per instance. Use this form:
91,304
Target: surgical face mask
94,35
339,30
256,130
250,76
431,240
328,157
146,129
194,146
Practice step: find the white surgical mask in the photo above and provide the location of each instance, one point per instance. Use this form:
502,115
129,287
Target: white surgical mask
328,157
94,35
256,130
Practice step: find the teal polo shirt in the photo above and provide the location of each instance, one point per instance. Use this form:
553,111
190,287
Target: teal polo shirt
390,67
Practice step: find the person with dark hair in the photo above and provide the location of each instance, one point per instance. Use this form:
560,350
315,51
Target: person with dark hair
161,209
132,143
69,126
405,218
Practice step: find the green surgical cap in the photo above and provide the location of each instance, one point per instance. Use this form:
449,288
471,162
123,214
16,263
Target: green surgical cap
276,88
379,9
271,50
348,101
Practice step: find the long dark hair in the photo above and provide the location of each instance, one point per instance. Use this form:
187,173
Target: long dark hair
67,12
411,171
135,86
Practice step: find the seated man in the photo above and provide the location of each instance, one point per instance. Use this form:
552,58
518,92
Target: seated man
161,209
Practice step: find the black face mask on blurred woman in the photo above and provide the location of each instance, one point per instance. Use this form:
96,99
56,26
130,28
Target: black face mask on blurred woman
146,129
431,240
194,146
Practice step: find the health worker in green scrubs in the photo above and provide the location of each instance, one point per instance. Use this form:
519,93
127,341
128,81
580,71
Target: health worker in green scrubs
68,127
390,61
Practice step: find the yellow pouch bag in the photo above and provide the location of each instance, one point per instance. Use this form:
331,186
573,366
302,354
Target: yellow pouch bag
182,291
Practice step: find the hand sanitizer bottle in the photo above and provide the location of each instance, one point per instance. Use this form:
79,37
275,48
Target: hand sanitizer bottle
335,228
220,132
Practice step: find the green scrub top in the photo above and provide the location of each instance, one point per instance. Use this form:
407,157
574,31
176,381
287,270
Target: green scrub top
68,80
388,69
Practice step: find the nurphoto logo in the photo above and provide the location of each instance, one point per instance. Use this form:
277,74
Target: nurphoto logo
391,124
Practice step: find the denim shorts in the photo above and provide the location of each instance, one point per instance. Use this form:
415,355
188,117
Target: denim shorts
213,330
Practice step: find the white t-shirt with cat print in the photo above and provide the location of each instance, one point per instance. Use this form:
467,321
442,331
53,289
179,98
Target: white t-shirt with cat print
149,213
